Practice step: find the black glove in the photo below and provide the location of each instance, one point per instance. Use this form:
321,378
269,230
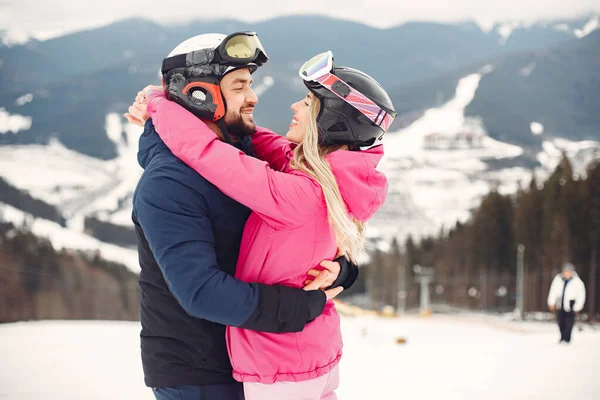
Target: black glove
348,273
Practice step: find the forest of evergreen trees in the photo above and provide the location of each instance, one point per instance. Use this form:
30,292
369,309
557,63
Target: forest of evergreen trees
110,233
476,262
23,201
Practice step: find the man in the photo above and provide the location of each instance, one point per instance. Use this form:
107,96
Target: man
189,234
566,298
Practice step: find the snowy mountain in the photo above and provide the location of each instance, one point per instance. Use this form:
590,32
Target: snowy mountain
15,37
477,126
517,34
75,80
444,162
438,168
78,186
558,87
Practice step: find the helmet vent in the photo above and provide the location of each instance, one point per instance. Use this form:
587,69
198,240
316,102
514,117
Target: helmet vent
199,95
338,127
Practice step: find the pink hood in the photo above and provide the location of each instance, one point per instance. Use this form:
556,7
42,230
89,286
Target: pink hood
363,188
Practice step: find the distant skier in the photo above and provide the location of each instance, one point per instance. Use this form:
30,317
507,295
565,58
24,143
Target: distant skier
566,298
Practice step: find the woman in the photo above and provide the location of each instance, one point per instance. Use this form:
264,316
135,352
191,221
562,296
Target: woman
310,197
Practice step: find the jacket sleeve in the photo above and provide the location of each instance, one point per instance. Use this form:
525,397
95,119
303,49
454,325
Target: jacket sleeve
552,294
175,222
348,273
272,148
283,200
580,299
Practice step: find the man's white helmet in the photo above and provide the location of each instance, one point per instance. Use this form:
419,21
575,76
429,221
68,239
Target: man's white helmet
200,42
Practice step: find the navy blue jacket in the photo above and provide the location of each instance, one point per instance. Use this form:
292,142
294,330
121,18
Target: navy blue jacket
189,236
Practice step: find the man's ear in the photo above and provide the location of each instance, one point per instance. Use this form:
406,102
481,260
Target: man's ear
163,83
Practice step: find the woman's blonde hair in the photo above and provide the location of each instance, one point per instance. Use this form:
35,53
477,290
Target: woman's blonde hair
309,157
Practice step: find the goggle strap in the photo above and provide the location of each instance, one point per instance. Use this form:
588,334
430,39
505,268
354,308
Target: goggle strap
386,122
379,117
178,61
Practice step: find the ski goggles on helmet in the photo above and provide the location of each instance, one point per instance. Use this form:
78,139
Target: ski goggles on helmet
319,69
237,49
241,48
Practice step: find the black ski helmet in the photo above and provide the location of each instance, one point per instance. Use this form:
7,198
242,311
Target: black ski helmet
192,72
341,123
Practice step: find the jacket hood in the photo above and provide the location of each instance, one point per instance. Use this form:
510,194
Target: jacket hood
363,188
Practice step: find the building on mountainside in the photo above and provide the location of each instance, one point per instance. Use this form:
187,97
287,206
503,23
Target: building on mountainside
456,141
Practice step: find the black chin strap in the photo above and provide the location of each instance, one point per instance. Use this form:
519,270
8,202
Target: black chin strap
223,127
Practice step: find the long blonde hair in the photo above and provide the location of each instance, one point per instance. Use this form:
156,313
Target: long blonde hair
309,157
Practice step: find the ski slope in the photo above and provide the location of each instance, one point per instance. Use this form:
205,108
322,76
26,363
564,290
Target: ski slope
445,357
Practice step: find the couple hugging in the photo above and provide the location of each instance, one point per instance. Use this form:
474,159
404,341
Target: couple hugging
246,236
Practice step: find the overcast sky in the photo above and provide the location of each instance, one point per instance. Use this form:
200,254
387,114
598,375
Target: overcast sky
46,18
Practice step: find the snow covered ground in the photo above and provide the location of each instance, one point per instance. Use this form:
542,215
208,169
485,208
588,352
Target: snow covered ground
445,357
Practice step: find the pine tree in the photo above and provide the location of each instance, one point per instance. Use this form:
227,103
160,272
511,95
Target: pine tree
592,193
398,273
555,241
528,232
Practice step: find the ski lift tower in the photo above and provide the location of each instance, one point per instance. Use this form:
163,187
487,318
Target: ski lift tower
424,275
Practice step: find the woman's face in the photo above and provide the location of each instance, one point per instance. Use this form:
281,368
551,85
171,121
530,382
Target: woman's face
301,118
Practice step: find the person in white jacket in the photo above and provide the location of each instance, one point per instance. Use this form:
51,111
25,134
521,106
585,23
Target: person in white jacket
566,298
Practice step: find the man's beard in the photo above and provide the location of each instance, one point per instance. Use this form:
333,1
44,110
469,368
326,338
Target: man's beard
237,127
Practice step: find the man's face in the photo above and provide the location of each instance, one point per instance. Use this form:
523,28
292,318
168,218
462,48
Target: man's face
567,273
240,100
